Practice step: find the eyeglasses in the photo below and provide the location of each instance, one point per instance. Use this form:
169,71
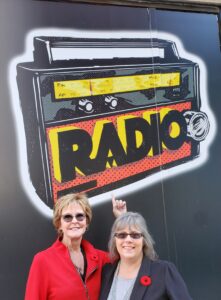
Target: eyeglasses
133,235
68,217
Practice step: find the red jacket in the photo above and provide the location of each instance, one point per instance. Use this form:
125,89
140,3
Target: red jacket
53,276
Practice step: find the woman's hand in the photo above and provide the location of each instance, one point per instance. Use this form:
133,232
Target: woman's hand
119,206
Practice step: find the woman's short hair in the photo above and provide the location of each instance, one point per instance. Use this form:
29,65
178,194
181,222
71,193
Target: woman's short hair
65,201
132,220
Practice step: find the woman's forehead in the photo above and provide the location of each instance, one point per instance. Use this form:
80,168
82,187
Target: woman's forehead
129,227
73,207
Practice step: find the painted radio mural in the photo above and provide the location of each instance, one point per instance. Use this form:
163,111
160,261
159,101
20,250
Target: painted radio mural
98,124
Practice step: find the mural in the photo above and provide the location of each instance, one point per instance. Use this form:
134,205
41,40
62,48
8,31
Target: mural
155,144
109,121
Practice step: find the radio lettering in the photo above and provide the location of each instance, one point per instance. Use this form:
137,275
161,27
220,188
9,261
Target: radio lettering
76,147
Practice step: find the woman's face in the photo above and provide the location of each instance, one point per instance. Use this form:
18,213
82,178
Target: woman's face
129,247
73,222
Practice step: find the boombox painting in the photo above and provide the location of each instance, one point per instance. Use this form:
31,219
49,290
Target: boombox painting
115,121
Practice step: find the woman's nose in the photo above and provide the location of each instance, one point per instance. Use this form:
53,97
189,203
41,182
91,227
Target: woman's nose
128,238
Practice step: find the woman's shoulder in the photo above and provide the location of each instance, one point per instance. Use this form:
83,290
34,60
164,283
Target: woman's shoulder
165,267
158,263
41,255
109,268
94,253
89,248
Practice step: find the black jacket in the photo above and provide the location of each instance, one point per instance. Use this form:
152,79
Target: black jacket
156,280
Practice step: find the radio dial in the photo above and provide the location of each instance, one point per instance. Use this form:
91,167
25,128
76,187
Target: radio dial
197,125
111,102
85,105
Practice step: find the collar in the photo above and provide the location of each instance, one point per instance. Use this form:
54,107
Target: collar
90,253
140,285
143,280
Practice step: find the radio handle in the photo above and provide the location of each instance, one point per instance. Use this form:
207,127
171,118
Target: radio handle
43,46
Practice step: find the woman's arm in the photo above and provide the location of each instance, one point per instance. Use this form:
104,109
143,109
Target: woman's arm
37,283
119,207
175,285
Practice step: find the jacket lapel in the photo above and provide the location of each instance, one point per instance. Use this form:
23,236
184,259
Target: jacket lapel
139,289
107,279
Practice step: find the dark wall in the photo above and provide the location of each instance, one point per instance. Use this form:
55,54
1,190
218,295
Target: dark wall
182,211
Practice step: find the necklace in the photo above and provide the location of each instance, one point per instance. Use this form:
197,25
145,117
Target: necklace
79,269
77,260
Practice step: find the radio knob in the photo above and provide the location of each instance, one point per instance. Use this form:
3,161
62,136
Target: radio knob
85,105
197,125
111,102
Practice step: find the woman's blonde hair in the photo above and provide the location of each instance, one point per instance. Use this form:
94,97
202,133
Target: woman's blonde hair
64,201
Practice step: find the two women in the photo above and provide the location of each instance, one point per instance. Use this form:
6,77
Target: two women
71,268
136,273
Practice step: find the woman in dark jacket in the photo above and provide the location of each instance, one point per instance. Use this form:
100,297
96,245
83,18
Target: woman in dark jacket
137,274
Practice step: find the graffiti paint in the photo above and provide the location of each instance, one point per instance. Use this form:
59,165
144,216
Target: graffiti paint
104,124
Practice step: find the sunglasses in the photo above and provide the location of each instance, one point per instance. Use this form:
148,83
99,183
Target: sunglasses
133,235
68,217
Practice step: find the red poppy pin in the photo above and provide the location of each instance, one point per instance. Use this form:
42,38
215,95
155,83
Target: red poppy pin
145,280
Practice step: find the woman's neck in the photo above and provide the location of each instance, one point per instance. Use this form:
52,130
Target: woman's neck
75,252
128,268
73,244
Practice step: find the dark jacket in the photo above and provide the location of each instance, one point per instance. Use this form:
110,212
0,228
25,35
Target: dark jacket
156,280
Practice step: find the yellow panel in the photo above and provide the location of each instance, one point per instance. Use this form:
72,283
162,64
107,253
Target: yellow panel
110,85
72,89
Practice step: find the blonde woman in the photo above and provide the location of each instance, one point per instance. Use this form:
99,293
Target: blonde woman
71,267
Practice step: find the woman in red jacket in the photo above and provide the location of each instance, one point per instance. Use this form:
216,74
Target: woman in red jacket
71,268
